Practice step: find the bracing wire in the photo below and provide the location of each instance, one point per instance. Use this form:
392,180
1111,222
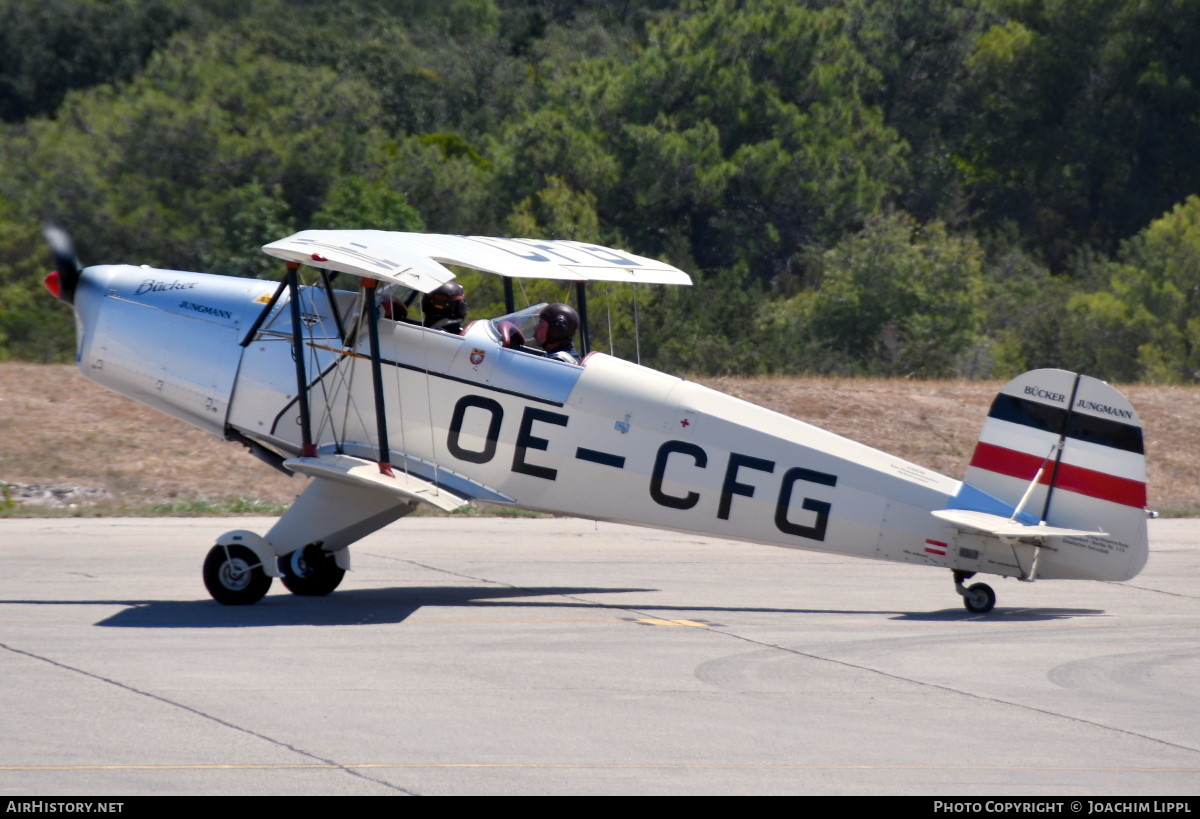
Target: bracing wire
608,306
429,410
348,379
637,326
400,411
325,422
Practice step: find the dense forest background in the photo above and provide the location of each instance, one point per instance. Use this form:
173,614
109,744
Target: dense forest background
880,187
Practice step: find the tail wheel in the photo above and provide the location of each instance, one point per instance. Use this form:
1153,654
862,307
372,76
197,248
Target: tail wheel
311,571
979,598
234,576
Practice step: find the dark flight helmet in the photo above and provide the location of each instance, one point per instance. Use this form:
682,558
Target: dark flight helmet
444,306
561,322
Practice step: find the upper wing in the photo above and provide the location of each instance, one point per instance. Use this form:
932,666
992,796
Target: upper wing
417,260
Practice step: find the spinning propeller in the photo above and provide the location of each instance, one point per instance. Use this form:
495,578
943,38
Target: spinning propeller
62,280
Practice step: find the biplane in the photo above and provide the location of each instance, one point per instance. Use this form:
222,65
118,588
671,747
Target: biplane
383,414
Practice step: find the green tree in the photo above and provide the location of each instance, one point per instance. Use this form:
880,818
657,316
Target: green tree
557,212
550,143
33,326
246,217
920,51
355,202
744,134
1148,320
48,47
1084,118
174,167
446,179
894,299
708,328
1026,321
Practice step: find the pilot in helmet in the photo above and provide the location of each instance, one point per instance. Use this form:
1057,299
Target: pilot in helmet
445,308
556,328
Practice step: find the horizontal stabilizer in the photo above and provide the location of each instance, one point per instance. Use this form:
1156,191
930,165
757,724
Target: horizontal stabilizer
347,469
998,526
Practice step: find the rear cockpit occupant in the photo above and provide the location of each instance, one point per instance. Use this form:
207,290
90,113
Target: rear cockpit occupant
555,332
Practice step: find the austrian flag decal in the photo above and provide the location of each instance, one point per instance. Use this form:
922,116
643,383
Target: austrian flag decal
935,547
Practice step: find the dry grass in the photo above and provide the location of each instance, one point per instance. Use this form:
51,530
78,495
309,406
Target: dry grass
58,428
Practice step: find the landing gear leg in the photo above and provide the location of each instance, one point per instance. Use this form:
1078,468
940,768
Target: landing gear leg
978,598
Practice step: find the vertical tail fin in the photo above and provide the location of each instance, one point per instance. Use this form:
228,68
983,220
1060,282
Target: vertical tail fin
1086,440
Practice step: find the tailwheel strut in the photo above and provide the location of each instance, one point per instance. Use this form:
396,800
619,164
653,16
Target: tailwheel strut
978,598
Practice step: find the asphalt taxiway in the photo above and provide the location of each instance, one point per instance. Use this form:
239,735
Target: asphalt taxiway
558,656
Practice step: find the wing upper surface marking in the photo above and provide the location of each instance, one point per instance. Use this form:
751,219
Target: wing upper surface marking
418,260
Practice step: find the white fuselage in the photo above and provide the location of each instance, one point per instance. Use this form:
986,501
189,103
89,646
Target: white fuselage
608,440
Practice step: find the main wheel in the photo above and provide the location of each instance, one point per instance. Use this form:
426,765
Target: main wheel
979,599
311,571
233,575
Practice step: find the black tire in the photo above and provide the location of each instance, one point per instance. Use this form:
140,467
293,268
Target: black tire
980,599
233,575
310,572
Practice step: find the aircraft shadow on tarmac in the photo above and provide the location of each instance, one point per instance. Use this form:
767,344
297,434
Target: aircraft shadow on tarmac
394,605
1001,615
346,608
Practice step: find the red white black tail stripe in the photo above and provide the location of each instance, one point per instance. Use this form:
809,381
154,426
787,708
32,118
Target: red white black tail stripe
1093,432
